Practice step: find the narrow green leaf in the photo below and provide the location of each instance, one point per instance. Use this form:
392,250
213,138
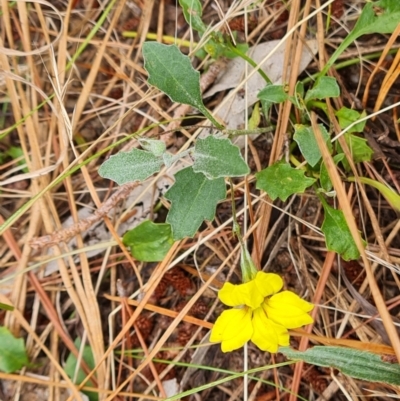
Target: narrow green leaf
354,363
255,118
172,72
324,87
217,158
135,165
6,307
273,94
305,139
149,242
192,11
154,146
194,198
281,180
388,193
376,17
348,116
13,354
337,233
70,367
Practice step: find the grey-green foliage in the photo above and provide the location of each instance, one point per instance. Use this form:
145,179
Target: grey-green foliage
354,363
135,165
172,72
193,199
217,158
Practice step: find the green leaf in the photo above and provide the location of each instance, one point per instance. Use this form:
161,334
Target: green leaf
135,165
337,233
6,307
371,20
217,158
13,354
348,116
217,47
255,118
359,149
194,198
172,72
192,11
149,242
70,367
324,178
281,180
16,152
388,193
273,94
305,139
354,363
154,146
323,88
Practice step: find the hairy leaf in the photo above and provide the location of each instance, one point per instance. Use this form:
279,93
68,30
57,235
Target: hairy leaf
135,165
154,146
194,198
172,72
273,94
305,138
354,363
217,158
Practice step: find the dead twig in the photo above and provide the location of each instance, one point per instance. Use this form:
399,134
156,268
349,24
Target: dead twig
65,234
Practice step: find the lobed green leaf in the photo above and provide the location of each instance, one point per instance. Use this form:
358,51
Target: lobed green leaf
193,199
281,180
324,87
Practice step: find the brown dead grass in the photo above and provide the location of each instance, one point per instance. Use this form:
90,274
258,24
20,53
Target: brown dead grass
75,92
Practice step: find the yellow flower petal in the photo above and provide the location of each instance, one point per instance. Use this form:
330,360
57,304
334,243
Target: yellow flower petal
241,294
232,329
268,283
268,335
288,310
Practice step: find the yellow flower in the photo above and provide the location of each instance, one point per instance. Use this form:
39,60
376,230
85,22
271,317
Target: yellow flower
261,314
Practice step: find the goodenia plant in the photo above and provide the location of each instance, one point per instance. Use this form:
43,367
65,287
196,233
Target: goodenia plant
259,307
198,188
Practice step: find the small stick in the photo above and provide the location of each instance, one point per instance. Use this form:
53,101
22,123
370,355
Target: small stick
65,234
